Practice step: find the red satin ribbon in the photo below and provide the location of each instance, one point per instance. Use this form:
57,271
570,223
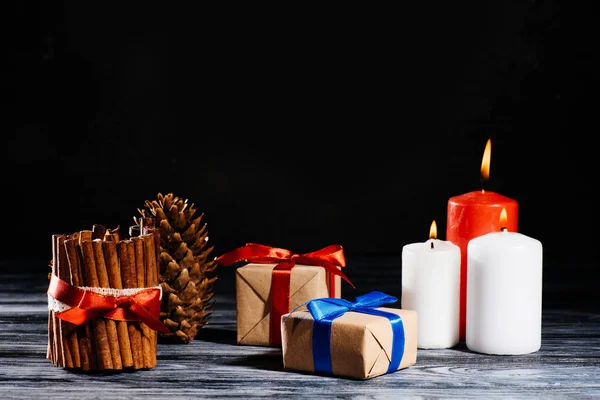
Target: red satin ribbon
330,258
144,306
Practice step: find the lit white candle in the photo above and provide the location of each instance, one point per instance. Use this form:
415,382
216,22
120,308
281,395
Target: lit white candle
431,287
504,293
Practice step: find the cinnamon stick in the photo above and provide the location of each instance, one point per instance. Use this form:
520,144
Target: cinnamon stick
140,266
59,358
73,258
148,225
114,277
111,325
50,348
87,358
98,231
115,233
67,359
85,236
134,230
138,244
70,276
68,330
145,224
98,325
151,281
129,276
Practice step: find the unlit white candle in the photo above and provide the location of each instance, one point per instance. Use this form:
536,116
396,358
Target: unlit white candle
431,287
504,294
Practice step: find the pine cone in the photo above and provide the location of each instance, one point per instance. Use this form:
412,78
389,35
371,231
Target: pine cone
187,278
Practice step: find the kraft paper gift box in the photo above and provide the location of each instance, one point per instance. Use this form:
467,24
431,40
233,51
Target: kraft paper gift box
361,345
274,281
253,297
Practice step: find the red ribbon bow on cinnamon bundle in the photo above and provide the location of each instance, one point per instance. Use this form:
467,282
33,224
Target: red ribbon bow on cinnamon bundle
330,258
143,306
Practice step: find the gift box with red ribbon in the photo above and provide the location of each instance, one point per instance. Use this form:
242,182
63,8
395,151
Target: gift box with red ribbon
104,302
274,281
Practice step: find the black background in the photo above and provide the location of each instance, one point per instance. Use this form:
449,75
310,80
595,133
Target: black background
302,127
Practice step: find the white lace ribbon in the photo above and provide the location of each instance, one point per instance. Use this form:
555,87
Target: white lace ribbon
58,306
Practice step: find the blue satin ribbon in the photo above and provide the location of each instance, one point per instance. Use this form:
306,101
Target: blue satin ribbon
325,310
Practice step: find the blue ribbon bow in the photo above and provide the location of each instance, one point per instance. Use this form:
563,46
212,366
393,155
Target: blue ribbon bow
325,310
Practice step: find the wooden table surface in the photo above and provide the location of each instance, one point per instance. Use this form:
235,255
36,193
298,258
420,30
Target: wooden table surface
213,366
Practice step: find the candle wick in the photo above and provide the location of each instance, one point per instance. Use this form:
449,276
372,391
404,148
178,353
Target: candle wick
432,245
503,229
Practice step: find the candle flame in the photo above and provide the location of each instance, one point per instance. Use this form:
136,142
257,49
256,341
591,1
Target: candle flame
485,161
503,219
433,230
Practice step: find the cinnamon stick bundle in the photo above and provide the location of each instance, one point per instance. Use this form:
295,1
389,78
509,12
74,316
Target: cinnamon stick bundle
98,258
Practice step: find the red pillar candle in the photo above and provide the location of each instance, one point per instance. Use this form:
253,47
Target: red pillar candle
474,214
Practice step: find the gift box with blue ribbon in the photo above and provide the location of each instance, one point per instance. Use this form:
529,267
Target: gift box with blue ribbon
359,339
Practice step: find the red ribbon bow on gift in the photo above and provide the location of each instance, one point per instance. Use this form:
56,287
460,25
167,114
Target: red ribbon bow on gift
143,306
330,258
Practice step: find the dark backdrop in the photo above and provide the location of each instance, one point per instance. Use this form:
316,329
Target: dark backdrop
304,127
